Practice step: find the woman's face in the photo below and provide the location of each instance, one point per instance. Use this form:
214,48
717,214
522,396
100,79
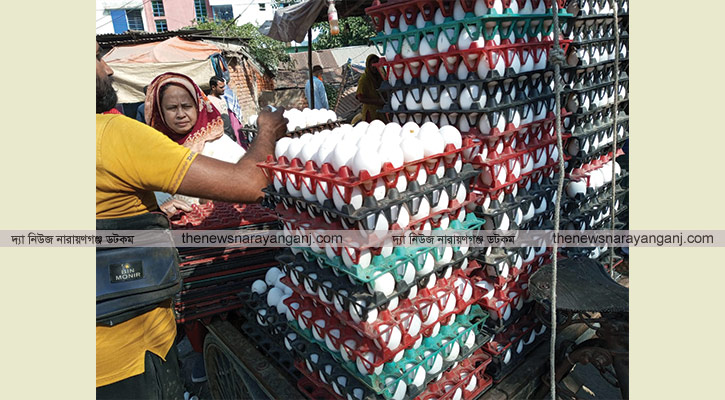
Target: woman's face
179,109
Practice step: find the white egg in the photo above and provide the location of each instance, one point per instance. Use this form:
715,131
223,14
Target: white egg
458,12
259,286
451,135
281,147
445,101
391,153
273,296
466,99
462,72
294,148
409,129
424,49
272,275
356,199
410,103
576,187
342,155
375,127
367,159
481,8
407,50
384,284
423,210
427,101
443,42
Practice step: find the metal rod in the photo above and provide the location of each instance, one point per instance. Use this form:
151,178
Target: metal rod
309,65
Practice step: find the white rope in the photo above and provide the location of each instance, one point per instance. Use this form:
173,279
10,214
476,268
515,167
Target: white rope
560,187
612,211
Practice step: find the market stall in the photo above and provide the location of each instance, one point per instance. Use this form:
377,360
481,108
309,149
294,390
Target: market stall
504,116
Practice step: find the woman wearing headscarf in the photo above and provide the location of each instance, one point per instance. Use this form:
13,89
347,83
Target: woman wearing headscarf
177,107
367,91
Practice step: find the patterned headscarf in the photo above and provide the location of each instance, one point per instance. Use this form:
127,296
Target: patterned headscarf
209,125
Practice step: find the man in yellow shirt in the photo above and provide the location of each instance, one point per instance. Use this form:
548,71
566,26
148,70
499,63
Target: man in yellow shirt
137,358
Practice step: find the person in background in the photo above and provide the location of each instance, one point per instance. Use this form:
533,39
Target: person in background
140,117
137,358
320,93
367,91
216,96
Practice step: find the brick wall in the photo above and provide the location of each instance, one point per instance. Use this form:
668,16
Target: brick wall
248,82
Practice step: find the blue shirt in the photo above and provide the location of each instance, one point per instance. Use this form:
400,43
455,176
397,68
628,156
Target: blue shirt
140,117
320,94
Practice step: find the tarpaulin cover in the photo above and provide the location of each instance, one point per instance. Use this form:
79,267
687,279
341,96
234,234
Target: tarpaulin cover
129,79
136,66
291,23
170,50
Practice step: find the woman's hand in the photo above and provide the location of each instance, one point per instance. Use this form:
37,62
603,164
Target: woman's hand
172,206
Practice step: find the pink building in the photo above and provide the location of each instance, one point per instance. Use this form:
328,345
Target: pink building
170,15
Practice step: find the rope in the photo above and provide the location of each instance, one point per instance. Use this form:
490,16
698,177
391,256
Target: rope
558,59
612,211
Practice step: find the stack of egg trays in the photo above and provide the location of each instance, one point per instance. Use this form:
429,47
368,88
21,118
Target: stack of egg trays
451,297
465,380
324,374
509,347
379,265
393,373
349,294
365,217
322,183
267,329
504,278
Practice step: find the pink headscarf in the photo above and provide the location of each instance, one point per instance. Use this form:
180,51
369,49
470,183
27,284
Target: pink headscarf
209,125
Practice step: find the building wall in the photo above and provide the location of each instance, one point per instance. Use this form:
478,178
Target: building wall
248,10
249,83
178,14
104,22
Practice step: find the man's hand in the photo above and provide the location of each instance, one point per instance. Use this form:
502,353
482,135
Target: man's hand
273,124
172,206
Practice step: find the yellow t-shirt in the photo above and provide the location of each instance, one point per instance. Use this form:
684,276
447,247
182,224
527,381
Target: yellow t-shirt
132,161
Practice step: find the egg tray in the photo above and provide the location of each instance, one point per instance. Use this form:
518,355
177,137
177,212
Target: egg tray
586,8
604,223
568,70
378,264
580,96
509,214
548,170
588,53
312,390
313,361
602,198
210,264
498,369
221,215
390,11
343,181
516,150
271,346
595,27
509,98
398,370
371,335
505,26
336,379
256,311
502,268
315,128
504,311
600,132
500,59
583,79
349,294
389,205
532,77
459,377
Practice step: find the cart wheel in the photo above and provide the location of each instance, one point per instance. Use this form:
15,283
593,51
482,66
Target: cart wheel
227,378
